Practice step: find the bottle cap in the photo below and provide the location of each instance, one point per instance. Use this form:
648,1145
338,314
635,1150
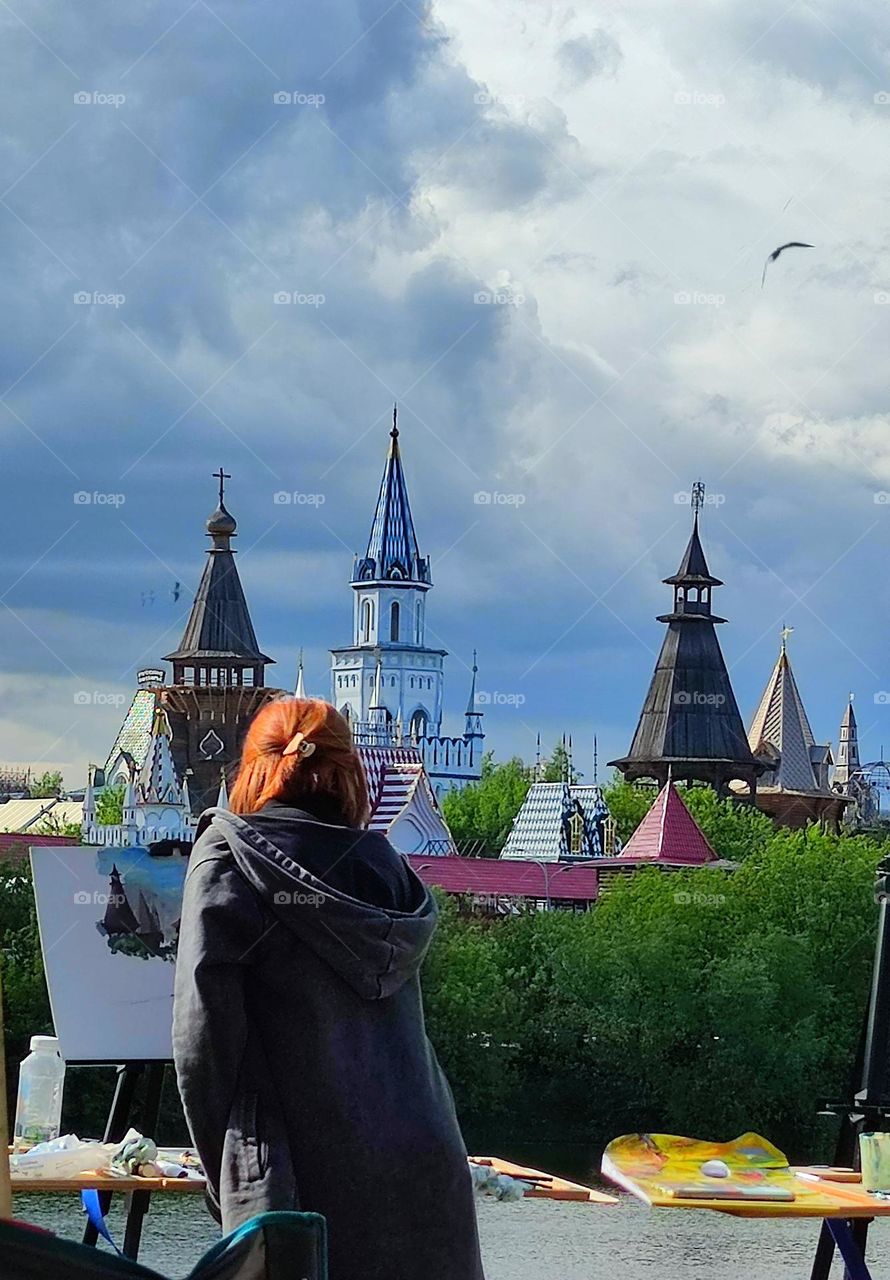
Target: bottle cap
44,1044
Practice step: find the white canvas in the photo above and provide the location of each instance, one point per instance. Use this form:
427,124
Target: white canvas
109,943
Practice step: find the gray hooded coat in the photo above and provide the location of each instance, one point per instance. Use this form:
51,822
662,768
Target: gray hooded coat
306,1075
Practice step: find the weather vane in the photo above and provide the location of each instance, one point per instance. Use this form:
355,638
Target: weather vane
785,633
222,477
698,496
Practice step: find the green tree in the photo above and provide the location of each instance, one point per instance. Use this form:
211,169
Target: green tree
482,813
628,805
110,805
52,825
558,766
46,786
735,828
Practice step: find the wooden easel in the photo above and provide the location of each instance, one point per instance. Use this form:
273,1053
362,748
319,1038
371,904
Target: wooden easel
128,1077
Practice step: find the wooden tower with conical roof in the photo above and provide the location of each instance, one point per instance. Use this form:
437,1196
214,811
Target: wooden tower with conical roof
218,681
690,728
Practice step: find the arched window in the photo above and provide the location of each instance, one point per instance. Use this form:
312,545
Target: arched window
367,620
346,711
419,722
394,621
418,620
576,833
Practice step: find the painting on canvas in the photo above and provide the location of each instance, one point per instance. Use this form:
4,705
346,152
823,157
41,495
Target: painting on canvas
109,925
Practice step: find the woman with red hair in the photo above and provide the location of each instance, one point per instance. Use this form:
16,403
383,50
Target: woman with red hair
298,1033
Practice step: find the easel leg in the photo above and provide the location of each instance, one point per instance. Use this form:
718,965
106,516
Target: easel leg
118,1119
849,1247
139,1200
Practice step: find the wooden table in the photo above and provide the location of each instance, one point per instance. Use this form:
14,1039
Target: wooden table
835,1196
104,1182
546,1186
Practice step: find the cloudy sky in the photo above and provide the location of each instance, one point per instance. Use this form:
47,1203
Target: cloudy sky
541,227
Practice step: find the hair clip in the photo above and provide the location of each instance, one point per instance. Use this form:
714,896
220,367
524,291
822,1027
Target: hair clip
299,745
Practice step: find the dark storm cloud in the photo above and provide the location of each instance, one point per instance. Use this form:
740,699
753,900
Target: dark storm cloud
170,171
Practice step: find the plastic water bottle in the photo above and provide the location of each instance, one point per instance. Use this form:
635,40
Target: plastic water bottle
38,1111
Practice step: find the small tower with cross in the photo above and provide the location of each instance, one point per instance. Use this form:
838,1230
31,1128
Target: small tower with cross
218,680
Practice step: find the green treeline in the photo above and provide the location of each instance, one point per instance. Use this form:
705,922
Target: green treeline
704,1002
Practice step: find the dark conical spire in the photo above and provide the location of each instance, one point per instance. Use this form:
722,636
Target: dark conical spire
393,554
694,567
219,634
690,726
473,727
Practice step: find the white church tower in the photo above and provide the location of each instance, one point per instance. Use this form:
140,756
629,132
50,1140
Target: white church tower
389,682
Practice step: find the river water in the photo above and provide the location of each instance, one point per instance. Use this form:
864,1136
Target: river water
532,1240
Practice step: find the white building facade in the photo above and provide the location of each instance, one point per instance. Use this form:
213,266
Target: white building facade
389,682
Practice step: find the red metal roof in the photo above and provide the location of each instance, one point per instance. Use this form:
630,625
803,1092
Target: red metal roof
14,844
508,878
668,833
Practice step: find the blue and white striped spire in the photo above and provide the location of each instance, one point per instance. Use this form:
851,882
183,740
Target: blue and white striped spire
393,554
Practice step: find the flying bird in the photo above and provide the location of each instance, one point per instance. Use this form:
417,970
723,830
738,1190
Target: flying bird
792,244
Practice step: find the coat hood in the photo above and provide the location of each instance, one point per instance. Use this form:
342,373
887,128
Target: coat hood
374,949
